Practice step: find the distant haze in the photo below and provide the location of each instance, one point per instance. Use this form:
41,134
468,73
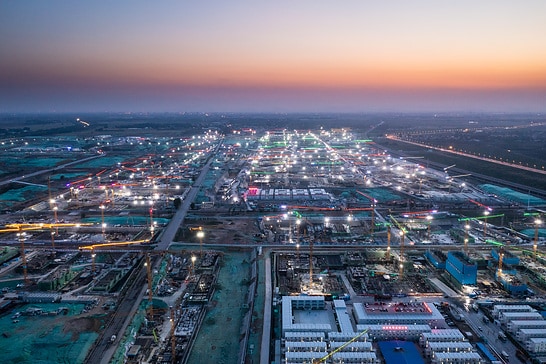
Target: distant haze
280,56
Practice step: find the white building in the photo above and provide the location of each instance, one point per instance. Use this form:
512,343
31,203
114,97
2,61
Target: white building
498,309
305,346
354,346
308,324
441,335
302,357
536,345
304,336
420,313
343,319
456,358
308,304
515,325
346,336
394,332
526,334
448,346
355,357
506,317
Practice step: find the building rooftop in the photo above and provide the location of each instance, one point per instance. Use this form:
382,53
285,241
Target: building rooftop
400,352
392,313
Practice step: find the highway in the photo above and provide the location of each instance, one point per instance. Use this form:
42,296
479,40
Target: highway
169,232
479,176
485,159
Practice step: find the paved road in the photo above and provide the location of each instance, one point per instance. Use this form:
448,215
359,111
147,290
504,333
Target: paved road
266,333
104,349
522,188
37,173
170,230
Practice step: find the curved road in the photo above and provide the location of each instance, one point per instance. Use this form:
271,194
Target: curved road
37,173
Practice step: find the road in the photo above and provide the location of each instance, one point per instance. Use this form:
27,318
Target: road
522,188
485,159
169,232
37,173
104,349
489,333
266,332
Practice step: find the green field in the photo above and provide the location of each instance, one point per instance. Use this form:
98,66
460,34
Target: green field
47,339
218,339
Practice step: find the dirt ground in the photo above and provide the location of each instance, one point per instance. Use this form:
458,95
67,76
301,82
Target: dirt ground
78,325
224,230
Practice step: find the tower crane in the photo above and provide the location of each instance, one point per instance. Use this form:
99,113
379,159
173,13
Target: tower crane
150,290
388,255
331,353
501,256
402,237
374,202
20,229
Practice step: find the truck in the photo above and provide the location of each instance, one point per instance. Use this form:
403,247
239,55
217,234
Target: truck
458,317
502,336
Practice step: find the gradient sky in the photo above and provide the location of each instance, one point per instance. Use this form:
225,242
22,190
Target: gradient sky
280,56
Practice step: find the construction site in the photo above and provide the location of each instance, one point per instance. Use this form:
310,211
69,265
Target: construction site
158,250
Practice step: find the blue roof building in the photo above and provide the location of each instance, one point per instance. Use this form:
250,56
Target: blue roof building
461,268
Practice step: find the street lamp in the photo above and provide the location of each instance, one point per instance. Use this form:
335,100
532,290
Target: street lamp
349,221
193,259
429,219
200,236
55,208
486,213
535,244
53,240
93,256
102,207
466,229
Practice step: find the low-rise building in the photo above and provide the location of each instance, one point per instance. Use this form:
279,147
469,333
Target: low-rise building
456,358
514,325
394,332
525,334
498,309
441,335
506,317
536,345
418,313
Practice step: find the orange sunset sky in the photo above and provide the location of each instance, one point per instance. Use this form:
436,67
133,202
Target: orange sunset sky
279,56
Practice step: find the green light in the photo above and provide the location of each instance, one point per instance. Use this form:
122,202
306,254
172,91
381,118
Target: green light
494,242
480,217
